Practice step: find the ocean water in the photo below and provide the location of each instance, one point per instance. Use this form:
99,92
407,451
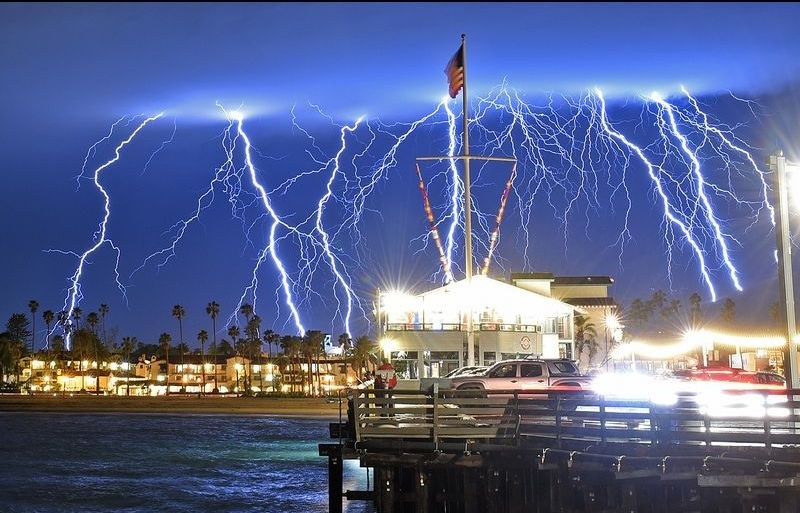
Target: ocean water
131,463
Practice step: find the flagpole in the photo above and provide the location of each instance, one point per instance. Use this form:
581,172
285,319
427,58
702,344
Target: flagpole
467,209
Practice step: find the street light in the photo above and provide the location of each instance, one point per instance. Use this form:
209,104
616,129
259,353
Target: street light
784,256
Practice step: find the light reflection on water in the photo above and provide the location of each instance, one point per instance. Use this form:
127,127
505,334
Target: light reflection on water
172,463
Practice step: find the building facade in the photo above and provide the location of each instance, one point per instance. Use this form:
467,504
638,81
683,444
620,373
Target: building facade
425,335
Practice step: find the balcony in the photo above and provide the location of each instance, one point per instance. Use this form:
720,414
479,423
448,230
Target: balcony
483,326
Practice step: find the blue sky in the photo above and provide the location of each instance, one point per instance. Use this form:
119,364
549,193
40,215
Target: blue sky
70,70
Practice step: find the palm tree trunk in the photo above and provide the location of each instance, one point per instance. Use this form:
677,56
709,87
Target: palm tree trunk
214,351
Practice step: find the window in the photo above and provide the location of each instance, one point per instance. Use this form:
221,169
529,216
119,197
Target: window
405,364
489,358
564,367
439,363
508,370
530,370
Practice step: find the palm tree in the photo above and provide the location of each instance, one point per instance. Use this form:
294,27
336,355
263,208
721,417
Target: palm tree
77,313
695,310
82,344
253,343
128,343
48,317
164,340
178,312
362,354
270,337
225,348
202,337
345,342
93,320
58,344
728,312
314,340
233,332
246,310
58,349
212,309
103,312
585,335
33,305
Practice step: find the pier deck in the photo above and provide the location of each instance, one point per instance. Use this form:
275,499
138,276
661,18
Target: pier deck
569,450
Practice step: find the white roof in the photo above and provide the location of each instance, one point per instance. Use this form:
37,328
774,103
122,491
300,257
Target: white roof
485,292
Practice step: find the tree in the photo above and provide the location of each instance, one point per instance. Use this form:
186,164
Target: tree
253,345
246,310
17,328
212,309
164,341
77,313
128,343
202,337
314,340
225,347
33,305
585,336
640,312
93,320
671,310
270,337
48,317
179,313
728,312
775,312
58,345
695,310
362,354
83,343
103,312
657,301
345,342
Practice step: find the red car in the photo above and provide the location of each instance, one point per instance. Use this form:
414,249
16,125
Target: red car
729,374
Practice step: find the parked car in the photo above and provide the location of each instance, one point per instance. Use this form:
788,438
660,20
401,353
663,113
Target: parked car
738,378
525,374
426,384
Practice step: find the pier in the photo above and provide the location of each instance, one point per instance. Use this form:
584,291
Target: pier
568,451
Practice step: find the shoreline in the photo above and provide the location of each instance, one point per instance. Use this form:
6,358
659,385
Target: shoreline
173,405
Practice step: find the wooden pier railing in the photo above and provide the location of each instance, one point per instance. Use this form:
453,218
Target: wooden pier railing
560,418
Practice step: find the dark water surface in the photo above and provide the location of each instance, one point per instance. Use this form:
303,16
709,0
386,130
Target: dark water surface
175,463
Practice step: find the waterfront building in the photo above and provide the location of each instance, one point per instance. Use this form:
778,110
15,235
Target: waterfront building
425,334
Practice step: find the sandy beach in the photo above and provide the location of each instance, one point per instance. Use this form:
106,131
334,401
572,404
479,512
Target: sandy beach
305,407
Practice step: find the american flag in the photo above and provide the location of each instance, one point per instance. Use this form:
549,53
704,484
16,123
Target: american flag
455,71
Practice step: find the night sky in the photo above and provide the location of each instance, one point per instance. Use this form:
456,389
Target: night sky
70,71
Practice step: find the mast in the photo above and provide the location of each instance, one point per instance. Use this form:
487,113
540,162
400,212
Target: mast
467,208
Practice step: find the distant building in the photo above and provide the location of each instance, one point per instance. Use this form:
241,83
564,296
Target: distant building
590,296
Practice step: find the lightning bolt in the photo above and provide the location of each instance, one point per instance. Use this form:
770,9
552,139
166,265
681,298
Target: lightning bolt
74,294
710,216
345,284
653,170
286,284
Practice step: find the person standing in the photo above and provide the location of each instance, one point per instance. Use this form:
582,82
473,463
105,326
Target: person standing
385,381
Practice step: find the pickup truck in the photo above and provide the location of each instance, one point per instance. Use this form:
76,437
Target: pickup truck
426,384
525,374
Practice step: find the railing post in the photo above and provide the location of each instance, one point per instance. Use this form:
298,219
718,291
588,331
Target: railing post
767,425
654,440
435,430
335,472
357,415
558,419
603,437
